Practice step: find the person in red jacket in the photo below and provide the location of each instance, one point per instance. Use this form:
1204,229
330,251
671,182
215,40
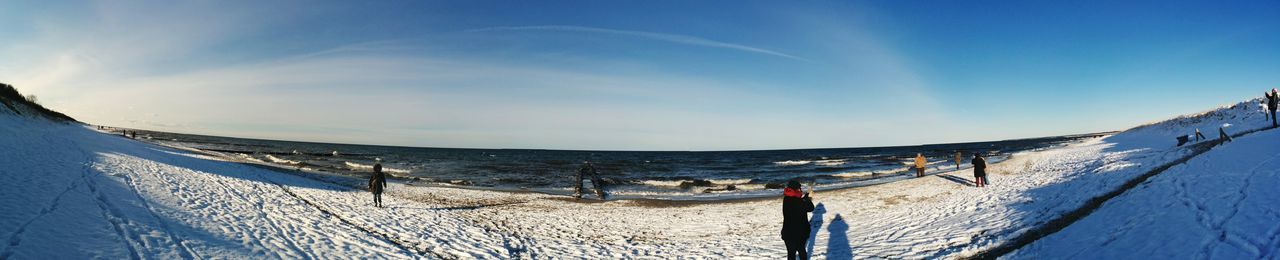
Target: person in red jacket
796,206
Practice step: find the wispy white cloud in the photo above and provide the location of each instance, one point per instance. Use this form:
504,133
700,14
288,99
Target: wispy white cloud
411,93
673,38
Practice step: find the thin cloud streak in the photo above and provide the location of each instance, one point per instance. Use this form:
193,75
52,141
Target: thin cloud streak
673,38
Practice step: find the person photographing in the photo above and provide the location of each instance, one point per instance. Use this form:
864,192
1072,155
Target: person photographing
796,205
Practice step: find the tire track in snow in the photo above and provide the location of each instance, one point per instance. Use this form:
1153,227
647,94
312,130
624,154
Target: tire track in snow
112,215
176,189
186,251
407,246
387,238
254,238
262,213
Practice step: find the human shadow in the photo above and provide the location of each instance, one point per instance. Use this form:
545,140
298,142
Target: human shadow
956,179
838,244
815,224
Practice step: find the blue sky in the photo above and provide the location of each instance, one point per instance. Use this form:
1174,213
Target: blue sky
682,75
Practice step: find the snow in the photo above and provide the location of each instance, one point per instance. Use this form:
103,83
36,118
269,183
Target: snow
67,191
1219,205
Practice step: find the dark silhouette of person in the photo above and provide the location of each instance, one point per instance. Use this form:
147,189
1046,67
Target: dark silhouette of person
796,206
1273,99
377,183
979,170
588,169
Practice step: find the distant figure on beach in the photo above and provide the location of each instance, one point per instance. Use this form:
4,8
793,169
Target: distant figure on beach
920,162
1199,136
958,160
979,170
377,183
796,206
588,169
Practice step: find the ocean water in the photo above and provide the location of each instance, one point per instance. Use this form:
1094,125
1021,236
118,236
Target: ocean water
629,174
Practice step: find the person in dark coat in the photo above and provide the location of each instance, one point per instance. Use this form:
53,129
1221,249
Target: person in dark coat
377,183
1273,99
796,206
588,169
979,170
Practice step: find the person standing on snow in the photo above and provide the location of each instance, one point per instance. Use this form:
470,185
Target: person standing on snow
588,169
1272,99
958,160
796,206
979,170
920,162
377,183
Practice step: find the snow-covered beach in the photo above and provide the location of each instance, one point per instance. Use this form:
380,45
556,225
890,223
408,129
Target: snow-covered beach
70,192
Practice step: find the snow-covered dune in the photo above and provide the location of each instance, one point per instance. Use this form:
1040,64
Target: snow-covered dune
69,192
1219,205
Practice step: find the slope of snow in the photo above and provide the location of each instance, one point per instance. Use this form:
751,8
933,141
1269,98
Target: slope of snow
70,192
1221,205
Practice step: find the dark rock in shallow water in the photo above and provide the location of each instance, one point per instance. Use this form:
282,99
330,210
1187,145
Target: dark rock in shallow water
727,188
773,186
695,183
610,181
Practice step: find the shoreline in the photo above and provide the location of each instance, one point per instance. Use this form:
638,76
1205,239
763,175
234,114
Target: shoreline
694,200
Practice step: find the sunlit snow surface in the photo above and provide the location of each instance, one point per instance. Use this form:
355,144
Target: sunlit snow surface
68,192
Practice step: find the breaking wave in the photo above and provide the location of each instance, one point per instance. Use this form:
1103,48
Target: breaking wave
367,167
792,162
282,161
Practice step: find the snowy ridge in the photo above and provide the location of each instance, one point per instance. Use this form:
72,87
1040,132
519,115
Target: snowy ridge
1219,205
13,103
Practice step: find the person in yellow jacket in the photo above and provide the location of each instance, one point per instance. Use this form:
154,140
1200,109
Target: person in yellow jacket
958,160
920,165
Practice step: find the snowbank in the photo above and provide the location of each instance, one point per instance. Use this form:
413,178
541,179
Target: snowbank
1219,205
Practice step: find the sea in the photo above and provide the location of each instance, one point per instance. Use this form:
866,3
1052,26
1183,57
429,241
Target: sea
666,175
